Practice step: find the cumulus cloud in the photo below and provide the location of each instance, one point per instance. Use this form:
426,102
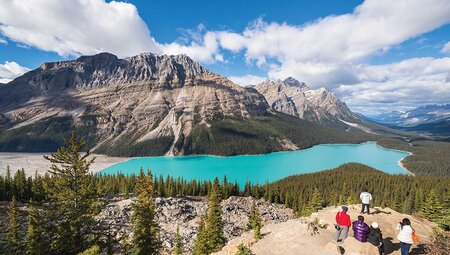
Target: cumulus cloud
446,48
74,27
333,52
11,70
247,79
206,50
3,41
401,86
325,51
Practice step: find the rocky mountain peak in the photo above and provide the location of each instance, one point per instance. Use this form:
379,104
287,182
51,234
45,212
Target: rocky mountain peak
296,98
128,101
295,83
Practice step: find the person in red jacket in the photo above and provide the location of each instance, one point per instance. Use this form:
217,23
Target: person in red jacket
342,225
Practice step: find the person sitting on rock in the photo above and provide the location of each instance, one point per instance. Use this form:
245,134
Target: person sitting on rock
375,237
342,225
360,229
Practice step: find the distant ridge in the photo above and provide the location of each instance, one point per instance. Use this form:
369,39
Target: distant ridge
149,105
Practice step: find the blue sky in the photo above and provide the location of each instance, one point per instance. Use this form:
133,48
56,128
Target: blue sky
376,54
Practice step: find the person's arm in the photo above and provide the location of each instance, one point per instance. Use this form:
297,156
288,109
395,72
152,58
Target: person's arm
370,197
337,217
399,227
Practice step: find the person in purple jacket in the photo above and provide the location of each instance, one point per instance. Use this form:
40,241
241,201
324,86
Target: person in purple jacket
360,229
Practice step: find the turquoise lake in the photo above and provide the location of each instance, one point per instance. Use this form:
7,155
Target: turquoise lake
270,167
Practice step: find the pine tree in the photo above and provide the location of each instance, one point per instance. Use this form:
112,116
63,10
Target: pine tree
214,223
146,239
201,246
35,241
315,203
14,244
445,222
243,250
255,222
178,250
73,204
432,209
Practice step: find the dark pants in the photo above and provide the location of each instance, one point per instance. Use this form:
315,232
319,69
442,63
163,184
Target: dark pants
381,249
404,248
368,208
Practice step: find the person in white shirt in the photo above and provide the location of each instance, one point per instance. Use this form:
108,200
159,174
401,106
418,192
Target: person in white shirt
365,197
405,235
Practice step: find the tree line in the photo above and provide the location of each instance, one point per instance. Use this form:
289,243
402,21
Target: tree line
62,204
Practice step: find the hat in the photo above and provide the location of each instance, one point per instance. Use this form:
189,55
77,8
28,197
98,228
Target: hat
344,208
374,225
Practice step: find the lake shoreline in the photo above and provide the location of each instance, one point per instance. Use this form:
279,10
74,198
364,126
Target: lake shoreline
34,160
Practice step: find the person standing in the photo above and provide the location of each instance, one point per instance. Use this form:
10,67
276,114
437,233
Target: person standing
405,235
360,229
342,225
375,237
365,197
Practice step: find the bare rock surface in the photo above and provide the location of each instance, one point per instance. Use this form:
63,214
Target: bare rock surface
297,99
294,237
125,101
185,213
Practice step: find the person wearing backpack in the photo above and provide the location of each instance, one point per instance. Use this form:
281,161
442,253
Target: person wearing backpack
375,237
342,225
360,229
405,235
365,197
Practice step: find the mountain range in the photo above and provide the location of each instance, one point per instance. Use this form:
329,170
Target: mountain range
432,119
165,105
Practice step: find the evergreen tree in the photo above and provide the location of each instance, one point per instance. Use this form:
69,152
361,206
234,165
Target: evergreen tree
35,240
73,205
146,239
201,246
445,223
314,204
255,222
14,244
432,208
243,250
214,223
93,250
178,250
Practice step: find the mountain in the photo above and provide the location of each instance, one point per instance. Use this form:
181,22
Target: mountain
146,105
434,119
297,99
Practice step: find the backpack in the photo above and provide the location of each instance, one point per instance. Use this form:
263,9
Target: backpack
415,237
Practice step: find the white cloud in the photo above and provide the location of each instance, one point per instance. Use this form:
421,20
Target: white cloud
247,79
399,86
3,41
205,51
11,70
74,27
324,52
333,52
446,48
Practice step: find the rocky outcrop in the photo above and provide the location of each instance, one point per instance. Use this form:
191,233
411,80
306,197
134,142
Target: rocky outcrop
185,213
305,236
297,99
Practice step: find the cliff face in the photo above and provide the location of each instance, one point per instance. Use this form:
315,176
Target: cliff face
133,100
297,99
